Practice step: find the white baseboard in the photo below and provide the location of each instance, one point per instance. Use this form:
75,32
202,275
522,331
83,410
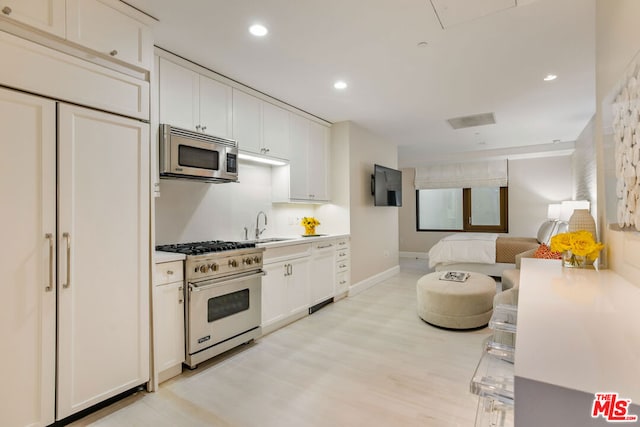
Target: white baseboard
419,255
373,280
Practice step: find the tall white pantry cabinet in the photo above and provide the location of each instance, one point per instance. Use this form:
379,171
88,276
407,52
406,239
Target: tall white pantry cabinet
75,206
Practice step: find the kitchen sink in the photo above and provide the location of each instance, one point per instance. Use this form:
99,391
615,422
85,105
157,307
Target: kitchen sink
272,239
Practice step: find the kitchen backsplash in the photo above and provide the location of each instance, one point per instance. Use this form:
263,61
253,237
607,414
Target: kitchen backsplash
188,211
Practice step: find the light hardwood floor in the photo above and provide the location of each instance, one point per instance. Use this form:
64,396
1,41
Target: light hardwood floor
367,360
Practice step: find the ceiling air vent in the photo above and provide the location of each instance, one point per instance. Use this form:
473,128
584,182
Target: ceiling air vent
471,121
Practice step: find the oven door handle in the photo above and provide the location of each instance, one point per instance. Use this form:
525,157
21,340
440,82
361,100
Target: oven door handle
203,286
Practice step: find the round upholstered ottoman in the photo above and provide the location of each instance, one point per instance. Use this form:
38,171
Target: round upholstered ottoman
456,305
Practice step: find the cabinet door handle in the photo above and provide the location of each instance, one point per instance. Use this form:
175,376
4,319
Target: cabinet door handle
49,287
180,295
204,128
68,237
286,270
290,270
198,127
113,52
6,10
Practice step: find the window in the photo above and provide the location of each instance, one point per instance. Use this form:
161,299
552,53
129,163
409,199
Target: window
480,209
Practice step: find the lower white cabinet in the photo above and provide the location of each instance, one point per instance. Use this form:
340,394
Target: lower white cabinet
343,267
322,272
285,286
285,292
168,313
74,315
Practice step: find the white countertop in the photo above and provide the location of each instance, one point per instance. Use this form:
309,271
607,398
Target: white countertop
159,257
294,240
579,329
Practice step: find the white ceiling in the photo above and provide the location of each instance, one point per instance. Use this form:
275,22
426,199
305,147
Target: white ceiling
494,62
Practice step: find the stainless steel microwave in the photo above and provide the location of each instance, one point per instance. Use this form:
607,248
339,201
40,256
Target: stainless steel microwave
193,155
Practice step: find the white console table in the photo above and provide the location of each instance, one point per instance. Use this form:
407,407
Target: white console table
578,334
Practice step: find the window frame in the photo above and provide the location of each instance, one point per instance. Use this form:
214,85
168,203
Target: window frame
503,227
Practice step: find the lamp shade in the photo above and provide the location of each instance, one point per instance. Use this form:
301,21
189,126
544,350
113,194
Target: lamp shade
553,211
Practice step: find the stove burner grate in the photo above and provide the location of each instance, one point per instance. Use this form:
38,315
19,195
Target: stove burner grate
198,248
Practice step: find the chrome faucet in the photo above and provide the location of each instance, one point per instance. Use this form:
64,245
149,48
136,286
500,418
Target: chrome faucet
258,231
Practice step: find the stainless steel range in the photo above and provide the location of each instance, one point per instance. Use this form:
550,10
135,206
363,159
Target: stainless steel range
223,301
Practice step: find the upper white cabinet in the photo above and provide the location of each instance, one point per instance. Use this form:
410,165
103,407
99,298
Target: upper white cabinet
109,28
306,178
259,126
45,15
192,101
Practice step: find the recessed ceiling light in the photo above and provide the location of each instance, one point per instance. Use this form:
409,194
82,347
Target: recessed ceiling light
258,30
550,77
340,85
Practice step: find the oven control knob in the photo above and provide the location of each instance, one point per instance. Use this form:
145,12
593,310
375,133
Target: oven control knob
233,263
204,268
256,259
247,261
213,267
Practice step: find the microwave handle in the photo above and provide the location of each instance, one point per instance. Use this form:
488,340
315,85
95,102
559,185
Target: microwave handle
212,283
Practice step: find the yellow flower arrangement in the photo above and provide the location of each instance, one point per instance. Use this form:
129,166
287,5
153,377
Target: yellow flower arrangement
580,243
310,224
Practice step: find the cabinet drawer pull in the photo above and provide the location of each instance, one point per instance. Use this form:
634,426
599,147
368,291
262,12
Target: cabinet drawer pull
49,237
6,10
342,265
170,272
325,246
343,282
113,52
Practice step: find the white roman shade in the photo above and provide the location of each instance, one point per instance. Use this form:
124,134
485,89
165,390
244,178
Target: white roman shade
463,175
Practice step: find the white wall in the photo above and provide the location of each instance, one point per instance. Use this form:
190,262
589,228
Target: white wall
617,43
188,211
533,184
374,230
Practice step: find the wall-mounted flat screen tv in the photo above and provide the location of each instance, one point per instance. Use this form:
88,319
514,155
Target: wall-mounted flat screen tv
386,186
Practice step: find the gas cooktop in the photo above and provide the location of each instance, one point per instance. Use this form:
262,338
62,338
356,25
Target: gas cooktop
199,248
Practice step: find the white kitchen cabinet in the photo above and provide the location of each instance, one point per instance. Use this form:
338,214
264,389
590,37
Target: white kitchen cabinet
192,101
343,276
306,177
103,257
322,272
28,259
285,291
168,312
275,131
45,15
109,28
56,75
285,286
259,126
90,253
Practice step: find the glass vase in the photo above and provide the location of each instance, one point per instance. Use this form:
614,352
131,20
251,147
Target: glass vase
309,230
571,260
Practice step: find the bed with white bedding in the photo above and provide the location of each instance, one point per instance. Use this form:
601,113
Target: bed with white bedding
487,253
